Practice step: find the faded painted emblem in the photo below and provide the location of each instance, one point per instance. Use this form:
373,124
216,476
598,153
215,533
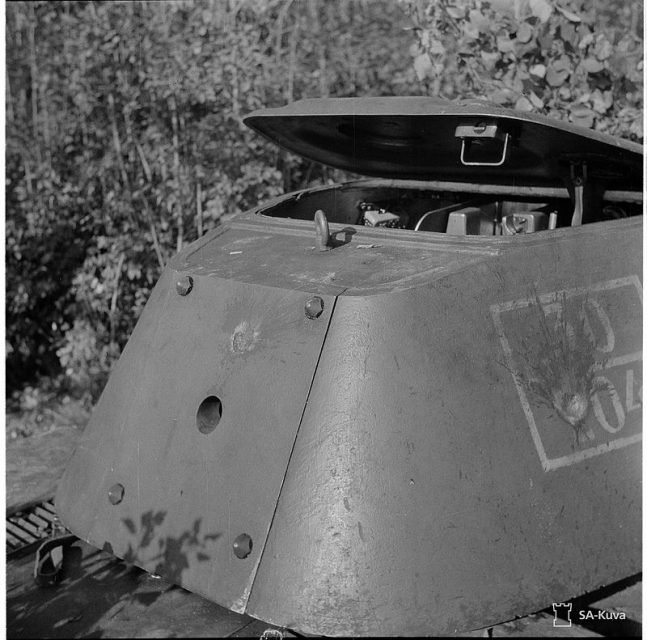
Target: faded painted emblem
574,356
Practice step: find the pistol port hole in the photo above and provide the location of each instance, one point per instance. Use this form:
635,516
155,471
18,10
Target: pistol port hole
209,414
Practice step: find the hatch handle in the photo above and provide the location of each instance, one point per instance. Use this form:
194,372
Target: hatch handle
322,232
467,133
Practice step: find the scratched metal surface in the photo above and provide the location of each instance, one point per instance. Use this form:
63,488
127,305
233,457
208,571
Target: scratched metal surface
424,493
188,495
281,253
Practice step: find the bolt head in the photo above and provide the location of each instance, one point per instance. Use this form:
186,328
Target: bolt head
242,546
184,285
314,307
116,493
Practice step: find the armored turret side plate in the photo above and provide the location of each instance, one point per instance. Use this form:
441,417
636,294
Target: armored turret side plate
431,490
147,483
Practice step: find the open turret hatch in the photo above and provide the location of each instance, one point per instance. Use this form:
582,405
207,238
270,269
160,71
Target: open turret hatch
463,168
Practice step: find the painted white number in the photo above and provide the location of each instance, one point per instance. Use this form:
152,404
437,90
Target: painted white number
631,404
618,409
609,337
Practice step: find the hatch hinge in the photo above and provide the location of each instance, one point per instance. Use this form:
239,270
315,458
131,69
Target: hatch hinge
586,194
578,177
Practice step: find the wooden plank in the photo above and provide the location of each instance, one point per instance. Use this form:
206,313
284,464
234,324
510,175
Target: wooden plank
13,540
20,533
49,505
39,522
24,524
46,514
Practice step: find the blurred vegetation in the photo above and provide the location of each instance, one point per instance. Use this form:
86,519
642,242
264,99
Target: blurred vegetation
124,140
577,60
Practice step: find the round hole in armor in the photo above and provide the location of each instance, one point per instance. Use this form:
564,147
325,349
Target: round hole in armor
209,414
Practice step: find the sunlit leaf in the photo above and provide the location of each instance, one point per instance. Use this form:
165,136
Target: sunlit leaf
541,9
557,73
586,40
603,49
504,44
536,101
455,12
524,33
502,96
581,115
423,66
569,15
523,104
538,70
591,65
480,22
489,59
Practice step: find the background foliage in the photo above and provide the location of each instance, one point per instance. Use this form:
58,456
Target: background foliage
124,139
573,59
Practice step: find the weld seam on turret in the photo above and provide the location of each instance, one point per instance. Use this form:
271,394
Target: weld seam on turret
287,466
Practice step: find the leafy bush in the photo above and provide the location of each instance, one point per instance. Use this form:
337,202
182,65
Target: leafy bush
579,60
124,142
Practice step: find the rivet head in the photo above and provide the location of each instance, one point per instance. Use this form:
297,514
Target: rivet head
116,493
184,285
314,307
242,546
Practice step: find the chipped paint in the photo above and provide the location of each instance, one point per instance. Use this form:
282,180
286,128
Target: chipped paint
245,337
558,362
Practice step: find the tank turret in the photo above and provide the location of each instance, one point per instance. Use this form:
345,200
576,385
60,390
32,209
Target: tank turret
404,405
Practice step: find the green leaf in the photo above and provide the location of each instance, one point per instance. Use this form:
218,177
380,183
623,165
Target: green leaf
603,48
586,40
524,33
557,73
504,44
591,65
538,70
569,15
568,35
456,12
501,96
541,9
581,115
479,21
422,66
489,59
536,101
602,101
523,104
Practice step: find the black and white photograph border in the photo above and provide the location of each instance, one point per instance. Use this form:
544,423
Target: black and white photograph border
323,318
